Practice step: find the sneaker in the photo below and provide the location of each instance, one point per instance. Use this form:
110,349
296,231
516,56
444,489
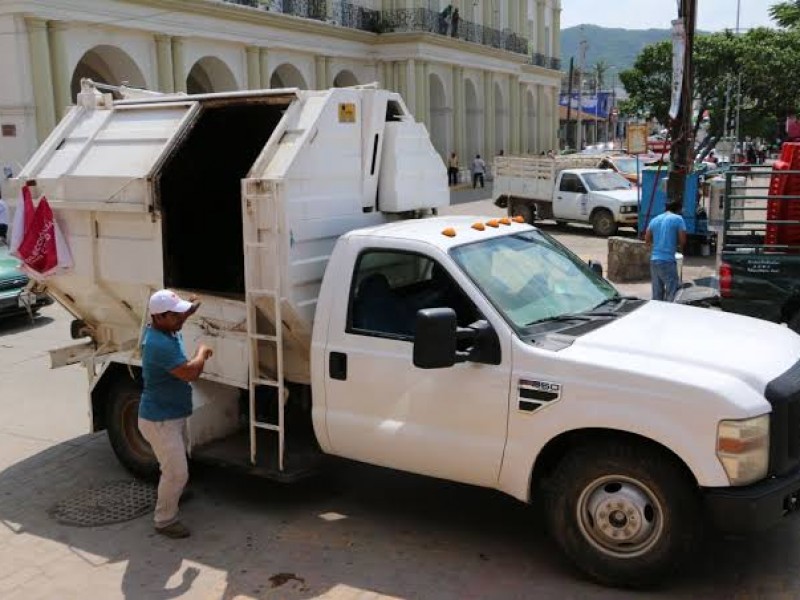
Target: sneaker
176,530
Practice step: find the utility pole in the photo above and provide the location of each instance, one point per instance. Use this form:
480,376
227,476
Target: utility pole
569,102
681,126
738,83
581,65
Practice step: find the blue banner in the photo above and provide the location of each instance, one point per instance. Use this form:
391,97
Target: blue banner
598,104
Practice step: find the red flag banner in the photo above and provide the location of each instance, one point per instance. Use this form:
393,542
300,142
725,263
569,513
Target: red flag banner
38,247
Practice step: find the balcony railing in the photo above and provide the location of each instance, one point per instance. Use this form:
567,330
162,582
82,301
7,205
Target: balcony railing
354,16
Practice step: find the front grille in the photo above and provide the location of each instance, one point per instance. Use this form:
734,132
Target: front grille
13,283
784,432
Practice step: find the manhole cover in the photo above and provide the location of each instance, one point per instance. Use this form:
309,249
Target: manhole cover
113,503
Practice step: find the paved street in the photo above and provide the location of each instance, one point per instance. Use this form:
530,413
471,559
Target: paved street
358,532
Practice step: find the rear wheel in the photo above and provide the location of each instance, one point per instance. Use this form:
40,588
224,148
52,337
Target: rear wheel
520,209
794,322
603,223
625,514
122,423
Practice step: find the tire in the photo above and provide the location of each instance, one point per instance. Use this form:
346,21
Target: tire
520,209
603,223
122,415
794,322
659,523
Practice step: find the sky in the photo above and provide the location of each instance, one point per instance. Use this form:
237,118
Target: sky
712,15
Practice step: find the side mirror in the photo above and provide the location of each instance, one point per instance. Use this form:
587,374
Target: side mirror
435,338
596,267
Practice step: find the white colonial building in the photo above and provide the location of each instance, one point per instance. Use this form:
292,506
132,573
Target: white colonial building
484,80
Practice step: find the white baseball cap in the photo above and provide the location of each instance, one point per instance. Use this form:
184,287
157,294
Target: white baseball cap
167,301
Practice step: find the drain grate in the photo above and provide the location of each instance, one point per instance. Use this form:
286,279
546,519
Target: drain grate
115,502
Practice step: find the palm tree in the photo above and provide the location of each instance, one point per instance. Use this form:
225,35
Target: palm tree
786,14
600,69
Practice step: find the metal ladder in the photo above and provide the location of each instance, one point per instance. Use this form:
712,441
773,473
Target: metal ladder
258,253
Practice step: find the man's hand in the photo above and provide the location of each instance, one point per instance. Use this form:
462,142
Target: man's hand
205,352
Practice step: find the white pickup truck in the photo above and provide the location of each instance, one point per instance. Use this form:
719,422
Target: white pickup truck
474,350
568,189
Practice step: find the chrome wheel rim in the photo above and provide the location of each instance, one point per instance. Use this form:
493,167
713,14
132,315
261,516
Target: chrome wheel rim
620,516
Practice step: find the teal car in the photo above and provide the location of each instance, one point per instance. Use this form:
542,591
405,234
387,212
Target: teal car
14,300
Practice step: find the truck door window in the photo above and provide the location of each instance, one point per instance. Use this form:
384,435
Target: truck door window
390,287
569,183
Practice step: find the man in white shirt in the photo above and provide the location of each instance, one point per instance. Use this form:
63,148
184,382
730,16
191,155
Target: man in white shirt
478,171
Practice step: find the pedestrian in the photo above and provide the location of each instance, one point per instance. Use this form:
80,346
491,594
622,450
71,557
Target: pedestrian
454,19
666,234
452,169
478,171
166,401
444,19
3,221
751,154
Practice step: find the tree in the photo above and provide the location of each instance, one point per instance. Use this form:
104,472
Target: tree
786,14
600,69
765,59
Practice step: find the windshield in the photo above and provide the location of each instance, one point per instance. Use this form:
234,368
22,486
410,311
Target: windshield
606,181
626,165
530,277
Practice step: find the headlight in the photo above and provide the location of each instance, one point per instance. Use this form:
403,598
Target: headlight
743,449
627,209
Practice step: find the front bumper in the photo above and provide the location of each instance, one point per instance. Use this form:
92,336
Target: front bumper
754,507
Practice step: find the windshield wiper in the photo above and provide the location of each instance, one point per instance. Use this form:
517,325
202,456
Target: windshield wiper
617,299
584,316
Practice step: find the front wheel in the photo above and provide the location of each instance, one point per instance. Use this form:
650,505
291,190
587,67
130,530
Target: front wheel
520,209
122,423
625,514
603,223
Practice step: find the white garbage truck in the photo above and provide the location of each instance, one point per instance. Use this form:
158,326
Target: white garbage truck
347,320
567,189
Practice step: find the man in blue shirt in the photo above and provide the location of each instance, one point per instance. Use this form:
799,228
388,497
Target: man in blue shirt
167,401
666,234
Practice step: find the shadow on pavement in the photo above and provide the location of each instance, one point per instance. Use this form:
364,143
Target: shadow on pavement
355,528
22,322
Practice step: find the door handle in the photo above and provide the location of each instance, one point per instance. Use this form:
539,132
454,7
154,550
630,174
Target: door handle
337,365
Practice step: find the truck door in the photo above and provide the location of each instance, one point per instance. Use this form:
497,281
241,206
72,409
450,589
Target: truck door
571,199
381,409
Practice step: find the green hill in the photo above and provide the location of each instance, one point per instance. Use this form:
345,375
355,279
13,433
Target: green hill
618,47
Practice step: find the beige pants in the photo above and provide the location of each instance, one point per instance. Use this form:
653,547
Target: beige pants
169,445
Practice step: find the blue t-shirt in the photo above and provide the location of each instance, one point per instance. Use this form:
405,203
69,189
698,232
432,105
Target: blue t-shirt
665,228
165,396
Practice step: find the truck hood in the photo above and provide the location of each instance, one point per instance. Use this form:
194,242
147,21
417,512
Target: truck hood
621,196
667,337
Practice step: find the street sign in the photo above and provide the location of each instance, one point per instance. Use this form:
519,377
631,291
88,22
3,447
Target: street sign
636,138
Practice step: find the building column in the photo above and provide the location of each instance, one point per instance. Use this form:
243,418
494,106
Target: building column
459,115
514,102
556,29
522,18
426,93
541,123
263,67
403,81
488,116
419,92
321,71
539,25
179,73
253,68
487,13
554,120
61,77
524,111
39,47
164,70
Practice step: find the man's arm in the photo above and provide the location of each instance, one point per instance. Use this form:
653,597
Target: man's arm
681,239
192,369
648,237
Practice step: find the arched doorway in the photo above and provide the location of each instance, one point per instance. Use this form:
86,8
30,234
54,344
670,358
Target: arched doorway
208,75
106,64
345,79
474,120
439,115
500,121
530,119
287,76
